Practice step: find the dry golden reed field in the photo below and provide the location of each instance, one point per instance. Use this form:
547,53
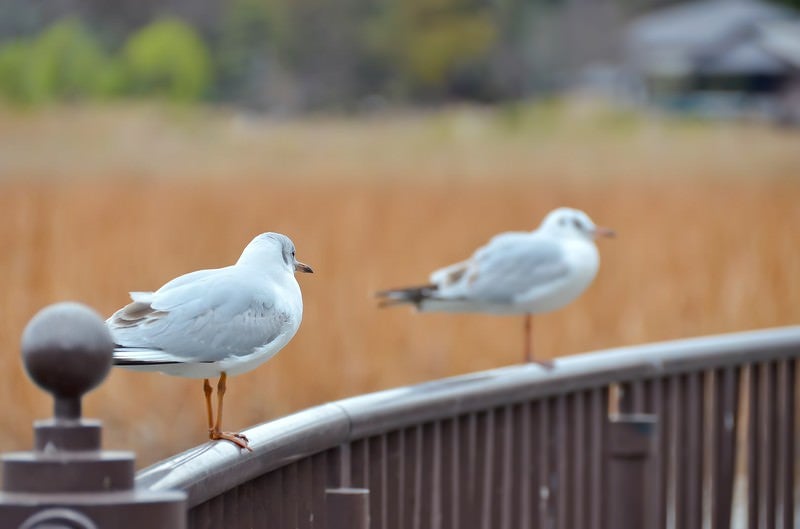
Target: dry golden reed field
98,202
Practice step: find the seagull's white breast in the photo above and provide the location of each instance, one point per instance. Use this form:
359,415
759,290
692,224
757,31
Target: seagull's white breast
582,262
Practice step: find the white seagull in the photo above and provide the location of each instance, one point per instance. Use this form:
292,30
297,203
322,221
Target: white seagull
516,273
219,322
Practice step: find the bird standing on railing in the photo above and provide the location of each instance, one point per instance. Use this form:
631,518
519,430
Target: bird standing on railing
219,322
516,273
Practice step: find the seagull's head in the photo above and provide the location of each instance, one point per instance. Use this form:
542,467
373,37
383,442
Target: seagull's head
569,222
274,250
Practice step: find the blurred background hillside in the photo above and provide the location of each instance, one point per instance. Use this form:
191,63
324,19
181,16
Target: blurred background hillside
142,140
297,55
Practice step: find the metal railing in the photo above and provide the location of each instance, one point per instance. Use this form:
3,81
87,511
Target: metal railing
520,447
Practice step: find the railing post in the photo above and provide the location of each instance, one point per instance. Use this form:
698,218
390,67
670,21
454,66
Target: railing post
347,508
68,481
631,446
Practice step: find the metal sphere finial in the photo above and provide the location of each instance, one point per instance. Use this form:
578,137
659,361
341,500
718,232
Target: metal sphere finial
67,351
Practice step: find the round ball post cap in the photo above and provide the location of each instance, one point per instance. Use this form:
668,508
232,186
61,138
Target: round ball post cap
67,349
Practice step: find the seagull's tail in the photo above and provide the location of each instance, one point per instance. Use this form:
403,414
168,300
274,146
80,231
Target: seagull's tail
142,357
401,296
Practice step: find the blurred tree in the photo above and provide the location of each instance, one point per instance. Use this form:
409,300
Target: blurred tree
433,44
167,58
65,62
13,80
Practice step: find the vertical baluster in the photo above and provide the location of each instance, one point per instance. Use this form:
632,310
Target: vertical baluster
768,442
562,455
429,482
723,443
468,462
450,473
376,465
578,495
216,511
504,450
599,420
319,482
246,504
521,469
679,449
395,486
230,506
289,496
656,404
260,492
534,450
304,493
753,446
484,467
413,477
273,498
495,453
545,493
786,422
694,408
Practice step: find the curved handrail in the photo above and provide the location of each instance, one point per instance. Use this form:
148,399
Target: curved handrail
211,469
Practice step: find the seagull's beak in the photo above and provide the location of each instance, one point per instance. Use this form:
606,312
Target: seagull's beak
599,231
302,267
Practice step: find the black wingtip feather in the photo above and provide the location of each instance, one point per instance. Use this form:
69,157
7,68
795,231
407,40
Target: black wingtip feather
400,296
128,362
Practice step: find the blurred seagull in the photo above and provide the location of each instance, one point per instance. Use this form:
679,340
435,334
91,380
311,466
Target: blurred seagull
219,322
516,273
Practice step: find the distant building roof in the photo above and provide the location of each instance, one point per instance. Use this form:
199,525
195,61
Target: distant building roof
782,40
711,36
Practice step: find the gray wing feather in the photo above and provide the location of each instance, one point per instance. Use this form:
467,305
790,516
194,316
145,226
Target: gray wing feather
510,265
211,317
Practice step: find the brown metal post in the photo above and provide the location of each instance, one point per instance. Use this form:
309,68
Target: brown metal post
631,446
347,508
68,481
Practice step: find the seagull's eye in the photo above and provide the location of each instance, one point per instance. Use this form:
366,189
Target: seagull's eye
292,254
577,224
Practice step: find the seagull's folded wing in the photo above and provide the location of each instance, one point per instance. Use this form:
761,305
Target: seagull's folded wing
510,265
212,317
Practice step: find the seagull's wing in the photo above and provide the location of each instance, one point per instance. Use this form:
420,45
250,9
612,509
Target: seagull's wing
214,316
510,265
453,274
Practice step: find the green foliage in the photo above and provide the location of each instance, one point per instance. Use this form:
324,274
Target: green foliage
64,63
440,49
13,58
167,58
432,42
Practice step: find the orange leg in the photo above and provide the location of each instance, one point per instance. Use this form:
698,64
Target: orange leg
216,432
207,389
547,364
528,352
